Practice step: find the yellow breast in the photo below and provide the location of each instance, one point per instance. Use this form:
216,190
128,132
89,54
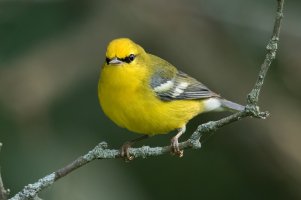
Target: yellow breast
127,99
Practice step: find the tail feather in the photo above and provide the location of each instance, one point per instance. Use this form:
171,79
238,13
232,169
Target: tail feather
229,105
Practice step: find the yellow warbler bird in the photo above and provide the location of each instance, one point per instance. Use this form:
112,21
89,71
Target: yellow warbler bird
149,96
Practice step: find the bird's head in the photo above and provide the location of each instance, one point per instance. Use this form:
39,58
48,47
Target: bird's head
122,51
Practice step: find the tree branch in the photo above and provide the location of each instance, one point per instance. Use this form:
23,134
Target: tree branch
101,151
270,56
3,192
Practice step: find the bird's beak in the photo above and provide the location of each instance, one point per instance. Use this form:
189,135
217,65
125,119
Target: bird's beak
115,61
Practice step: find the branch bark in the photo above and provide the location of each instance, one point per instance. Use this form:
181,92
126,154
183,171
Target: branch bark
101,151
270,56
3,192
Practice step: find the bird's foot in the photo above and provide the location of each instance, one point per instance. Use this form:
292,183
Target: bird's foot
124,151
175,149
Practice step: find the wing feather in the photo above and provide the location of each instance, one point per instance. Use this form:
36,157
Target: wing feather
170,84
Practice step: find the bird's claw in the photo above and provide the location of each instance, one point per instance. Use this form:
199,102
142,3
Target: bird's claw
124,151
175,149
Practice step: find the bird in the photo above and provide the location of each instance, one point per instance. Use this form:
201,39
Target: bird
149,96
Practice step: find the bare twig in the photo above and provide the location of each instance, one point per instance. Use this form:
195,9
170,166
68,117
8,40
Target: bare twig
203,131
270,56
3,191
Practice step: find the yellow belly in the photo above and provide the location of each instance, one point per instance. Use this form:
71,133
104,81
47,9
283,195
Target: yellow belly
127,100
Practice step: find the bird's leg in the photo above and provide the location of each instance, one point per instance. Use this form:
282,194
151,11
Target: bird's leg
124,150
175,149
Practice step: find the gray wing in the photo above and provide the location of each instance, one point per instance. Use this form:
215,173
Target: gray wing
178,86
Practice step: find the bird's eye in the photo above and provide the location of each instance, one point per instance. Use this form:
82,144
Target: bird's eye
131,57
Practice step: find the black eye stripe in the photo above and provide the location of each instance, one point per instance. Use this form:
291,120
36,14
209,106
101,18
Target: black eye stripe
127,59
108,60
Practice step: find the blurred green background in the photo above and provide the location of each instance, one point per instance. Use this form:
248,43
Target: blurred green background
50,57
